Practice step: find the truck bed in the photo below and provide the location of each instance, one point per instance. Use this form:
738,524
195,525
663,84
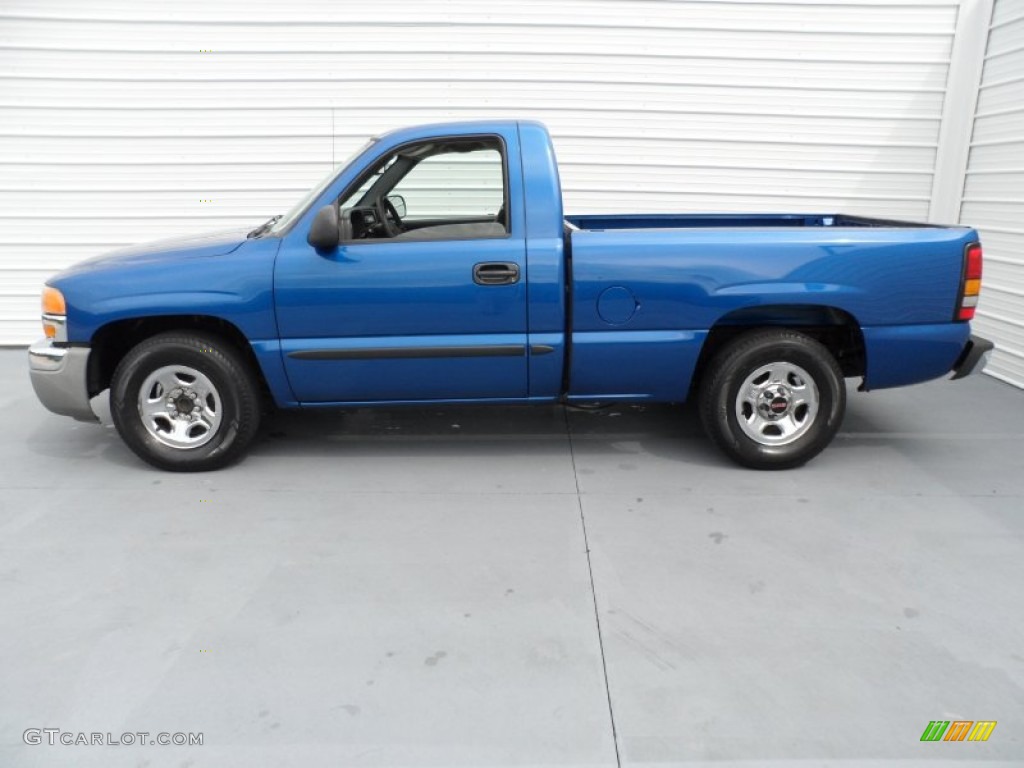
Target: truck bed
732,220
648,290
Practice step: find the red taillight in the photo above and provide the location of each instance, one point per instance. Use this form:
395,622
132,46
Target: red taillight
973,269
971,285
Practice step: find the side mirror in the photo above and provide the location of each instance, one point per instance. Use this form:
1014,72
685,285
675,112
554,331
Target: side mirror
325,234
399,202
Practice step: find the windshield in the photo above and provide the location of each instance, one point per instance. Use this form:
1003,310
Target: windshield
300,207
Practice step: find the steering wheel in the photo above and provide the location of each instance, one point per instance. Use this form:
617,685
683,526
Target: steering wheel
389,218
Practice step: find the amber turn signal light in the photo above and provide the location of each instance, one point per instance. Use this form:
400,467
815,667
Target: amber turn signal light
53,302
54,314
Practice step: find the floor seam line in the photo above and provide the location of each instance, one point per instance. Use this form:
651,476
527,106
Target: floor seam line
593,590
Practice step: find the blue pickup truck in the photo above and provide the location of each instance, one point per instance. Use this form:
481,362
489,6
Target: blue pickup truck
437,266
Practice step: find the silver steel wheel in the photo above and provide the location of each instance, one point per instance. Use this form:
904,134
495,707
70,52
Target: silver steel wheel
179,406
777,404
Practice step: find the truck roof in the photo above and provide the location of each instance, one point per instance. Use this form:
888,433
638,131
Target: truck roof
456,127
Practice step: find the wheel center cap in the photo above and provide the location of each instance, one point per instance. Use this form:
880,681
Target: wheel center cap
774,402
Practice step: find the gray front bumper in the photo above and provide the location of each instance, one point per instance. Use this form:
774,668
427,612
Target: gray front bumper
59,378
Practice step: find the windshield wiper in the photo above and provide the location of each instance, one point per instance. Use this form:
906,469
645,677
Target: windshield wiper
262,229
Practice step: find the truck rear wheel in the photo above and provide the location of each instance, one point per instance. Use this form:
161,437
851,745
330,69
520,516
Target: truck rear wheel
185,402
773,399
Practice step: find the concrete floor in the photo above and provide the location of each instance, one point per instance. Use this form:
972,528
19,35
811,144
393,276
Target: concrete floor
413,588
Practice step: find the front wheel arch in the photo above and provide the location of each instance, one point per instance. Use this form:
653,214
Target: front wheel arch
111,342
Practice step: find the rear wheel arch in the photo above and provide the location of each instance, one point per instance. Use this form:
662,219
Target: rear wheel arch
836,329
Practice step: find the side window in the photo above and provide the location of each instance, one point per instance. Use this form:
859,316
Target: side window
437,190
453,186
353,196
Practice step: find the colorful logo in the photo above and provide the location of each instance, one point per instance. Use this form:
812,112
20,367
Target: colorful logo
958,730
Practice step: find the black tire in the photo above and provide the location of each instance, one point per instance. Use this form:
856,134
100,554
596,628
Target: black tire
760,440
233,391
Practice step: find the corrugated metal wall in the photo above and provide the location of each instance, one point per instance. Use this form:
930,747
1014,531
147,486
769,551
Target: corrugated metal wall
994,190
124,120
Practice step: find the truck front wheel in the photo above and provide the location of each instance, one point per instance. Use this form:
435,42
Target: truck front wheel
773,399
185,402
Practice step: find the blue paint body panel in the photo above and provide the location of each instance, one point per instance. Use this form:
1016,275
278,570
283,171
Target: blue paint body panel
362,379
225,276
608,307
633,365
907,354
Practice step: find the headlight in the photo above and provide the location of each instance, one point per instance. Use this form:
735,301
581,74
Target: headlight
55,315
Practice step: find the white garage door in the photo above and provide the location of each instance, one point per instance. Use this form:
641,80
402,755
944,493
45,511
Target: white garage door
994,190
126,120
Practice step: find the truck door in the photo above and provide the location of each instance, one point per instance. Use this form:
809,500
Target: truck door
425,297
